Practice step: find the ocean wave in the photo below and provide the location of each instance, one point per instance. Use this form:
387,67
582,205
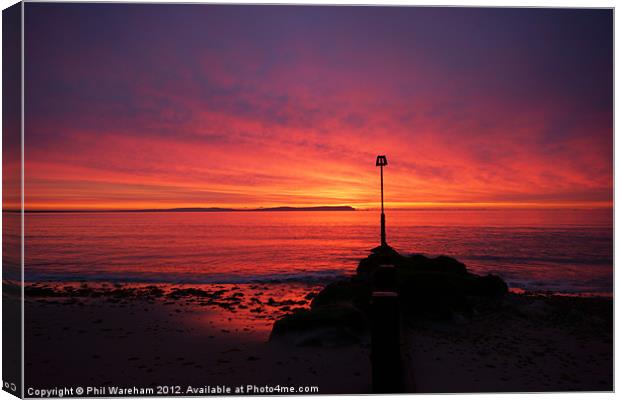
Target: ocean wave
306,277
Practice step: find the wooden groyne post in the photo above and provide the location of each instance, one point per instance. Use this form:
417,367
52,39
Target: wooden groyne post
382,162
385,354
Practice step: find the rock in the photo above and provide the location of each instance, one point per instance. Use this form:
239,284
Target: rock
350,291
189,292
419,262
489,285
435,288
433,294
154,291
310,296
329,325
33,291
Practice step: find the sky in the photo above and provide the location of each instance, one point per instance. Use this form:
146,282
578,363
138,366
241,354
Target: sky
160,106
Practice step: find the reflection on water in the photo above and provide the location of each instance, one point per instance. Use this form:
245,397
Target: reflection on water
566,250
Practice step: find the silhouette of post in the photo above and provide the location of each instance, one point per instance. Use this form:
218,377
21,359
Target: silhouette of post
387,373
381,162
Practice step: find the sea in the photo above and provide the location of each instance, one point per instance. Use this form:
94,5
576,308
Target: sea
560,250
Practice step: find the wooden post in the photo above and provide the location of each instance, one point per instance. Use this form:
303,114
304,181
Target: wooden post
383,239
381,162
387,374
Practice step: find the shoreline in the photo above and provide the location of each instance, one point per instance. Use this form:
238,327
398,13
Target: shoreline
316,283
117,334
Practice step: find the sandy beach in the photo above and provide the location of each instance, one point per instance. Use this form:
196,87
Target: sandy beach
174,335
526,344
145,341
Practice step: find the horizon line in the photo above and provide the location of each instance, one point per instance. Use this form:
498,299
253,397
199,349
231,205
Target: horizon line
421,206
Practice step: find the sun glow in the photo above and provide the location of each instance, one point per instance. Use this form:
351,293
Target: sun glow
249,118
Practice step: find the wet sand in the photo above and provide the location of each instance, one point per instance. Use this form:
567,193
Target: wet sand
525,344
137,339
144,335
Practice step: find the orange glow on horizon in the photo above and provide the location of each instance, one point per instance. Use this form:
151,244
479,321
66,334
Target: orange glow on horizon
293,110
390,206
